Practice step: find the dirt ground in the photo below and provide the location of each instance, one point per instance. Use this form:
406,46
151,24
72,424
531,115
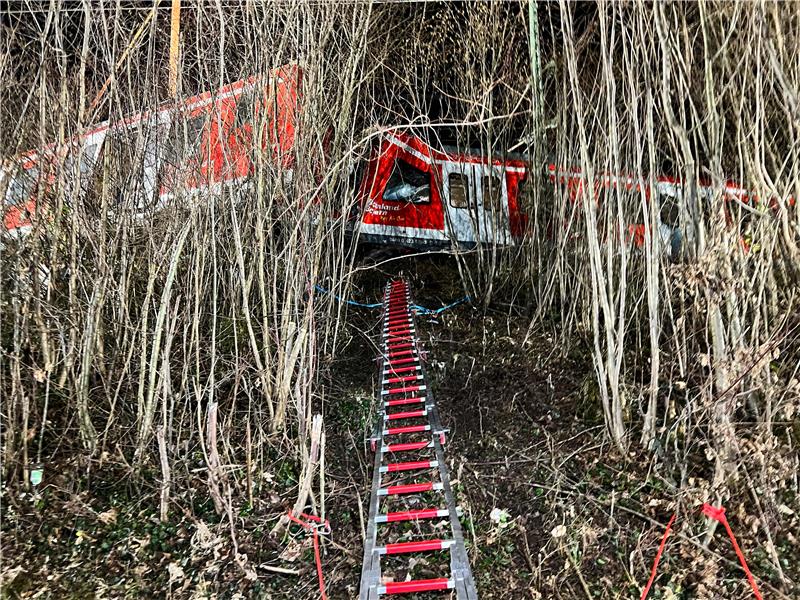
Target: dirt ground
550,509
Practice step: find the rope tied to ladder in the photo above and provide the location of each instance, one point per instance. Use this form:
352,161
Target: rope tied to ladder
317,527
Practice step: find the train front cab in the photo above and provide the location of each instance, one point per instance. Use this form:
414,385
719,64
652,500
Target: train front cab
414,195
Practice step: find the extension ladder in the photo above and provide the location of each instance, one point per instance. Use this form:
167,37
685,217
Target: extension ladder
407,410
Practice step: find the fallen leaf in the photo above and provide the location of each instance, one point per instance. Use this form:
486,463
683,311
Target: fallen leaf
559,531
109,516
292,551
7,576
175,572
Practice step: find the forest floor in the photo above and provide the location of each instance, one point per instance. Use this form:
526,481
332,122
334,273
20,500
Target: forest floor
551,509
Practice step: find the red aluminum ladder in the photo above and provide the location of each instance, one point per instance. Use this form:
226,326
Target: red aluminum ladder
406,407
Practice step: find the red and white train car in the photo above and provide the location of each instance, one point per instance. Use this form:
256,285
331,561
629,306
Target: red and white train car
413,194
671,197
204,143
410,194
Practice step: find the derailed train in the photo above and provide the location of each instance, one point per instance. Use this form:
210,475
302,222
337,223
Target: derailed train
410,192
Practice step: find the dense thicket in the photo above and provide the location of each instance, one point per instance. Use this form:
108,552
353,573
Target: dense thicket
196,329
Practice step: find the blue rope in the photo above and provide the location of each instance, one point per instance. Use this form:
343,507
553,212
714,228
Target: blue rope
416,307
319,288
438,311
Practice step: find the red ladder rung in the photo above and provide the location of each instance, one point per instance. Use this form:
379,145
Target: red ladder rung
402,379
398,333
402,401
403,446
407,429
412,515
408,414
403,390
409,547
404,352
404,321
397,371
399,320
402,361
409,488
412,465
417,585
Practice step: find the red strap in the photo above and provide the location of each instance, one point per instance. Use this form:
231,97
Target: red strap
658,558
718,514
313,524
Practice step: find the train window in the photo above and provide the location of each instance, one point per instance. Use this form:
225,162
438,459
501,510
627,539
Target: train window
87,164
244,110
408,184
22,186
525,197
492,191
459,190
185,139
670,211
121,179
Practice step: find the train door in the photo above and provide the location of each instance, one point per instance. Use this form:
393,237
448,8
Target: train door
133,155
492,194
184,154
476,202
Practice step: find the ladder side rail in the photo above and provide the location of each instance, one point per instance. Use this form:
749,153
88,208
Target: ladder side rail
459,561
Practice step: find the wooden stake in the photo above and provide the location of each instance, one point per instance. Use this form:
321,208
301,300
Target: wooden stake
174,47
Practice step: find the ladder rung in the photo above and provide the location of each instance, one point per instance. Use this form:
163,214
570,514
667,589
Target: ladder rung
413,515
403,390
397,371
396,334
414,465
406,414
403,401
400,343
403,446
400,349
417,585
402,320
402,361
407,429
409,488
402,323
402,379
408,547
